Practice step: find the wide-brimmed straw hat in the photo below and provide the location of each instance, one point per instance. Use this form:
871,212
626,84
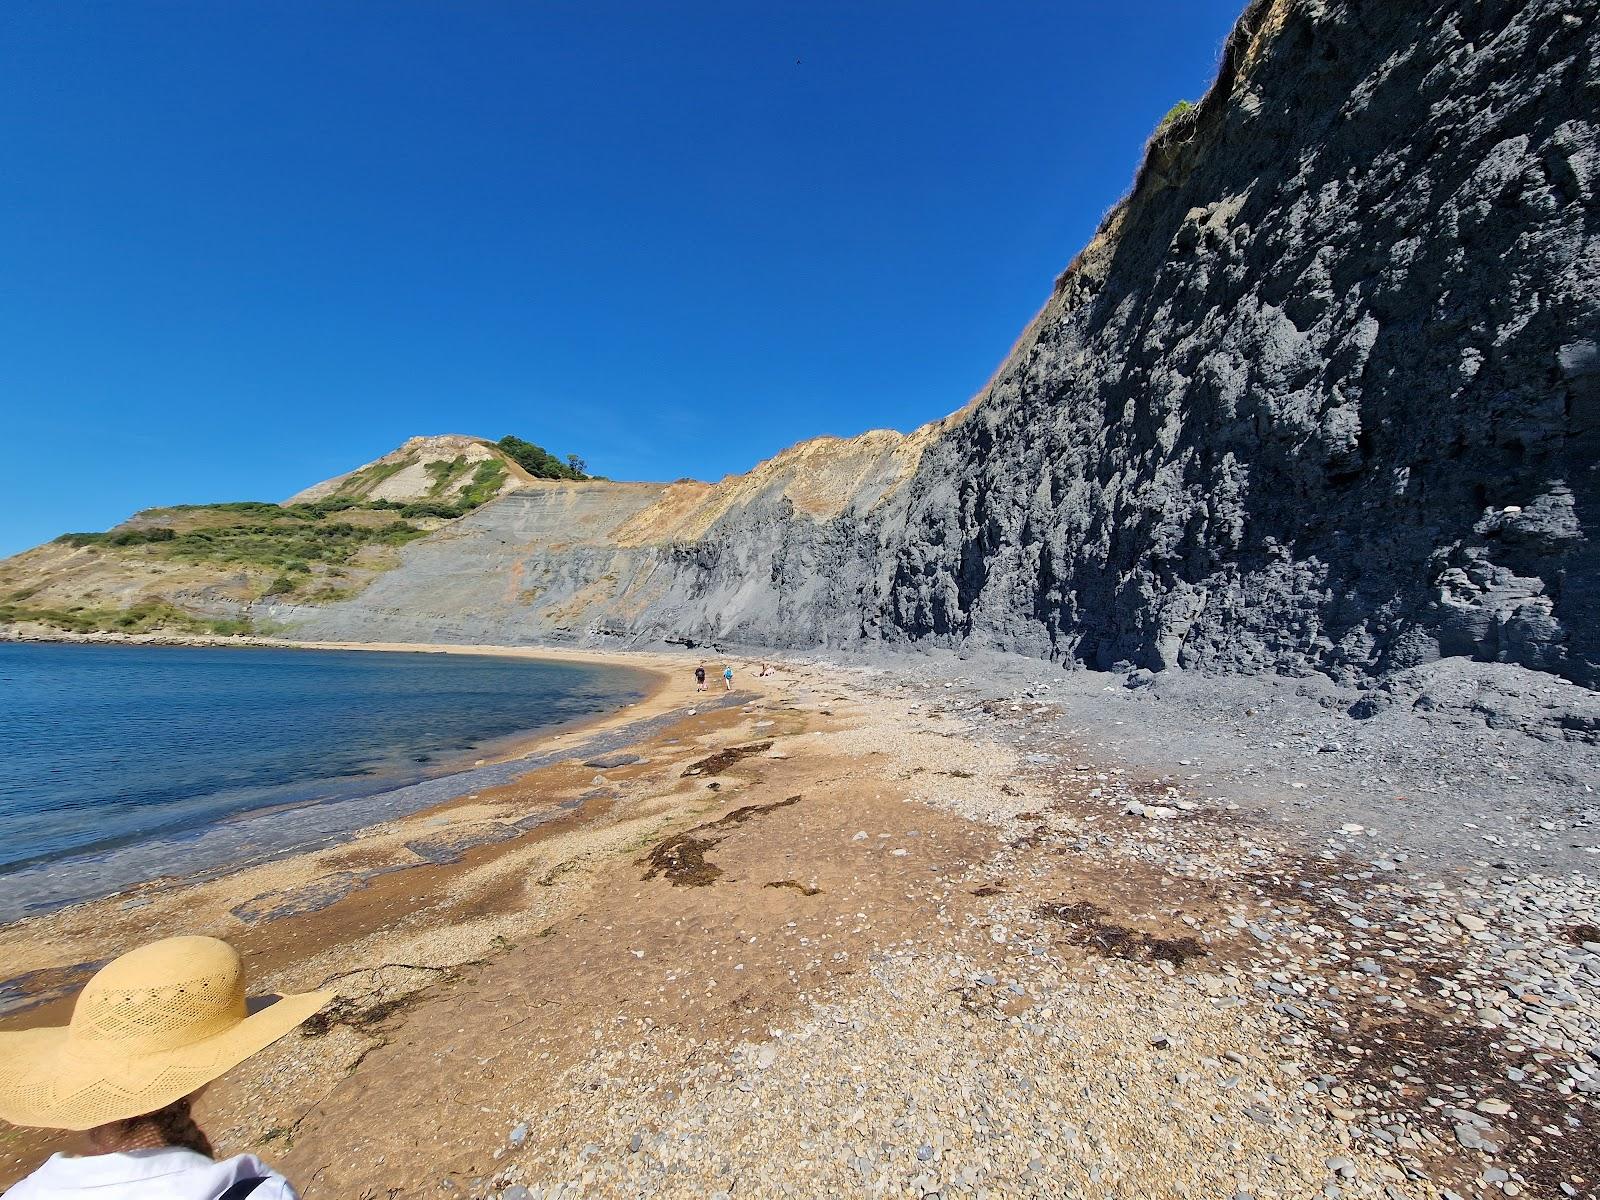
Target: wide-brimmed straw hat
149,1028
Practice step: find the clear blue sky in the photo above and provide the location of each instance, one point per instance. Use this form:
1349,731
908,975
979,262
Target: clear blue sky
249,245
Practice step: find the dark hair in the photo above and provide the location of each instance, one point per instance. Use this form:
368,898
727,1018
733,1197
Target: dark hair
176,1125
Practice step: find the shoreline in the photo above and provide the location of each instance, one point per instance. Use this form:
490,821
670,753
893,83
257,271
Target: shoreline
887,931
313,908
206,851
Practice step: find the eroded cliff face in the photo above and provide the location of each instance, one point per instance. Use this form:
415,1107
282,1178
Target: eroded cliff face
770,557
1323,395
1326,395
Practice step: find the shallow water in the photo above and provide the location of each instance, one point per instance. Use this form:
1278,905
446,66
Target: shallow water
103,748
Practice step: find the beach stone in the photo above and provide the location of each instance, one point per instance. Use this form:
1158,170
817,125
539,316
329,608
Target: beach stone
1472,1138
614,760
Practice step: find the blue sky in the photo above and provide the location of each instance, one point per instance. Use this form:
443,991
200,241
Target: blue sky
246,246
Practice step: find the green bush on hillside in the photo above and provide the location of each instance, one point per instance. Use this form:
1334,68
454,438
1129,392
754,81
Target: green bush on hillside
282,546
445,473
361,484
539,462
430,508
485,485
236,506
147,616
118,537
1173,113
286,545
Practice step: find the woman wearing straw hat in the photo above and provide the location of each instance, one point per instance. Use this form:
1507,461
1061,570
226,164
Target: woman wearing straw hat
148,1032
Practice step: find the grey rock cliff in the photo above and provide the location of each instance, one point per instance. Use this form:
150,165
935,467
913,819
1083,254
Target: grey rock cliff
1326,395
1323,395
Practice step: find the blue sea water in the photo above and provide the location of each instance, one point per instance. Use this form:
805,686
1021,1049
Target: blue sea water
107,747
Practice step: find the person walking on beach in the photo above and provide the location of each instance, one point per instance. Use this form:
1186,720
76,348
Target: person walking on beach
149,1031
700,678
727,677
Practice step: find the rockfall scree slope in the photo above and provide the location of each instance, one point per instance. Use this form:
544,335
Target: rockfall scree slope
1322,394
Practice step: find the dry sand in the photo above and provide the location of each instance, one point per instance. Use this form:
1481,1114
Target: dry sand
850,937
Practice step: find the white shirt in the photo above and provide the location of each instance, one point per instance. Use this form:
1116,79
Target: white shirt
169,1173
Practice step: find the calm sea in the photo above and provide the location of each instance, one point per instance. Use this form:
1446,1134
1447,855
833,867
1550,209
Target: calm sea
107,747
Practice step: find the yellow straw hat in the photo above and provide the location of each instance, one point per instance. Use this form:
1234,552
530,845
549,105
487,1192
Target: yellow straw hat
149,1028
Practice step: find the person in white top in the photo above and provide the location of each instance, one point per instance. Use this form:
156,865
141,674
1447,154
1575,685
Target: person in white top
149,1031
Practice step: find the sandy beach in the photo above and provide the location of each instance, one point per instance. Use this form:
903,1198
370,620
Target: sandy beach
865,931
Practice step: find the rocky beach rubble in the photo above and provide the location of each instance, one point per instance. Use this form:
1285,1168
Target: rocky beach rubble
1156,995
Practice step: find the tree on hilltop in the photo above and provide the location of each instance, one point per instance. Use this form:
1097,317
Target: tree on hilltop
539,462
